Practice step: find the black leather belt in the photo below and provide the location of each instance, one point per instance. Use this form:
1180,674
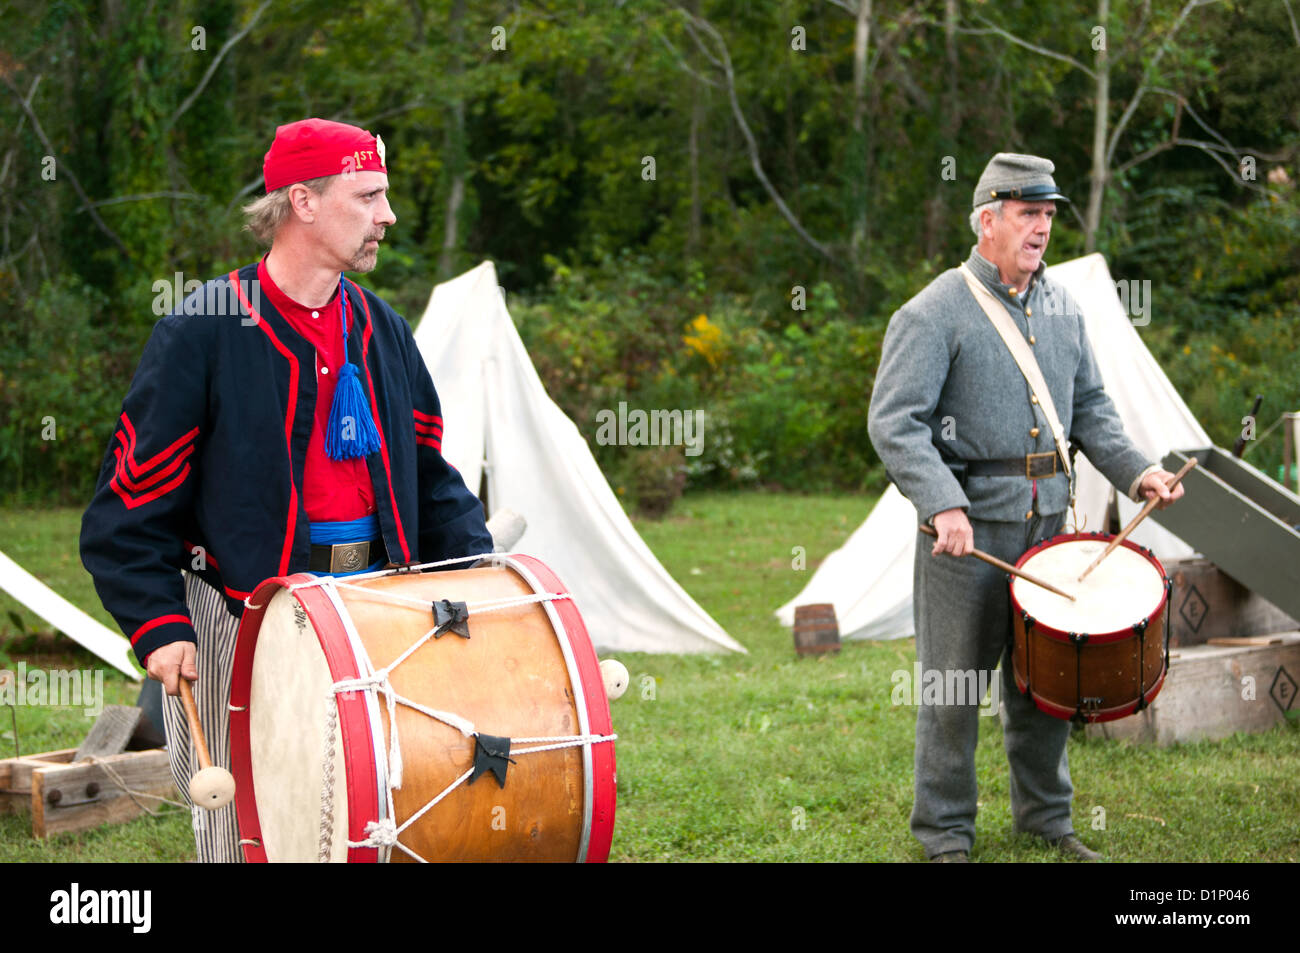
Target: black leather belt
1035,466
346,557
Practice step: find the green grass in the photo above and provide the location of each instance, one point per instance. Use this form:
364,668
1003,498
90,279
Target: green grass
45,543
765,756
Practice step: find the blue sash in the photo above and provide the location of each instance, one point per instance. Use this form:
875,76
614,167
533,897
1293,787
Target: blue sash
349,531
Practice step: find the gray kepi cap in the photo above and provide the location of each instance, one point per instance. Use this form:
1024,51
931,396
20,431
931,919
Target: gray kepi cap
1010,175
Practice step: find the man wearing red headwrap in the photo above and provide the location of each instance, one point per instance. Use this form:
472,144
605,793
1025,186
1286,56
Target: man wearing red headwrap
281,420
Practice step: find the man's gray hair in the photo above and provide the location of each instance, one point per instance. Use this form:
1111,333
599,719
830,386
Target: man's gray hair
267,214
975,216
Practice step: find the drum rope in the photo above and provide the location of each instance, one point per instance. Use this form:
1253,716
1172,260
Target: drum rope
327,781
488,605
378,682
386,833
572,741
378,573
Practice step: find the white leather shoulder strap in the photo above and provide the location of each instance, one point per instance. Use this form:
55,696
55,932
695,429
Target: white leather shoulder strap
1024,357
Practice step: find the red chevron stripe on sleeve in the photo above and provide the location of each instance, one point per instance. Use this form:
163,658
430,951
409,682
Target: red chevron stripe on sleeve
428,430
138,483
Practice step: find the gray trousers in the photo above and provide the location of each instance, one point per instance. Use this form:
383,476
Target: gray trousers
962,611
216,833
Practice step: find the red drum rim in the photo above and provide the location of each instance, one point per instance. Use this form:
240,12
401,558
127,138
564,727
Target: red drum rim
600,814
363,782
1059,635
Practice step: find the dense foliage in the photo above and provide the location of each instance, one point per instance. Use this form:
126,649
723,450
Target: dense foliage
697,205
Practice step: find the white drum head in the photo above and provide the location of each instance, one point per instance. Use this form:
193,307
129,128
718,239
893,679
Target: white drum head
1125,589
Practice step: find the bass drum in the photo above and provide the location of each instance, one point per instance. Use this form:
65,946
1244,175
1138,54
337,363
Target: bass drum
1105,655
432,716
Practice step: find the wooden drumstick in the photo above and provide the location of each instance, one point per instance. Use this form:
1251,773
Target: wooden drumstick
1151,505
213,787
1005,567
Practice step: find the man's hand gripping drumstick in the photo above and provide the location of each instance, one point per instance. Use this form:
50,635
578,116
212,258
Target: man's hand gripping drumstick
173,665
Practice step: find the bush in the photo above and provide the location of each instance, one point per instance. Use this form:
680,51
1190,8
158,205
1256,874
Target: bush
61,385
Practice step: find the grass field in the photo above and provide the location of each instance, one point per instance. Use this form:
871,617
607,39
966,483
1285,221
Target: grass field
763,756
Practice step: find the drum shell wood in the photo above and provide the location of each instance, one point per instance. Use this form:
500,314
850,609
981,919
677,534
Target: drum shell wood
1090,676
525,671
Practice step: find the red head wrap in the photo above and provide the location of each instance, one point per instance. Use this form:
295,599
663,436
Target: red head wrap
313,148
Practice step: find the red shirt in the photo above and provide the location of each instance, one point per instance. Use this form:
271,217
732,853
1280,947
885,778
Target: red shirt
332,490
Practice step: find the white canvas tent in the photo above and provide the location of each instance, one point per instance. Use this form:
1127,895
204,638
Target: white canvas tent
67,618
869,578
499,420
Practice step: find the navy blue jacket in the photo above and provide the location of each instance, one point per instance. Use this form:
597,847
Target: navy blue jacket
210,447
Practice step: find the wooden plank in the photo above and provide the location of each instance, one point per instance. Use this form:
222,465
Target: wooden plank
1213,691
1247,640
1255,485
89,796
20,769
10,802
1243,538
110,732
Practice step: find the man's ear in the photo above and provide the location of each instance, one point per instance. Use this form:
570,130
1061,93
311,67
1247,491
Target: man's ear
303,202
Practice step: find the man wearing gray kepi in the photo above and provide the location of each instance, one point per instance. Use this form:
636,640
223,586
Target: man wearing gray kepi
971,443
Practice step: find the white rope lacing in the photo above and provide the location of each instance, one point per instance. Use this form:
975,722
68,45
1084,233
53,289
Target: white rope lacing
385,833
487,605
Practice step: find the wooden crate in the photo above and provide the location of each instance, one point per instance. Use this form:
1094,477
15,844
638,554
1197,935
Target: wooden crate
1202,697
62,795
1209,604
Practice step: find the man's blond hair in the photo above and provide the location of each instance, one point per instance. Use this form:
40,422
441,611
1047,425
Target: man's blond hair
267,214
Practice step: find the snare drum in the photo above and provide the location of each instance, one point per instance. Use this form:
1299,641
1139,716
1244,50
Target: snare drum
503,748
1104,655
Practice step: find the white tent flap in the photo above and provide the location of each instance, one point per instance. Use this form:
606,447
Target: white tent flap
67,618
497,416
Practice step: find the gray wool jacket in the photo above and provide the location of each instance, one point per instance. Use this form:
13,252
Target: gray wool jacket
948,390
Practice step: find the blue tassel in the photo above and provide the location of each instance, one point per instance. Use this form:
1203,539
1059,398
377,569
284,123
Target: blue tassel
360,438
351,432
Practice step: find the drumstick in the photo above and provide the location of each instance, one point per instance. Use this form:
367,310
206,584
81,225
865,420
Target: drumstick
213,787
1005,567
1151,505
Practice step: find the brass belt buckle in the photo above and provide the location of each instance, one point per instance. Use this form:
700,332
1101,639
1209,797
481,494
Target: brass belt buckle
349,557
1036,466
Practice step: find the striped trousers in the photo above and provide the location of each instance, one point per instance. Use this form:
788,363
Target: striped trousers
216,833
